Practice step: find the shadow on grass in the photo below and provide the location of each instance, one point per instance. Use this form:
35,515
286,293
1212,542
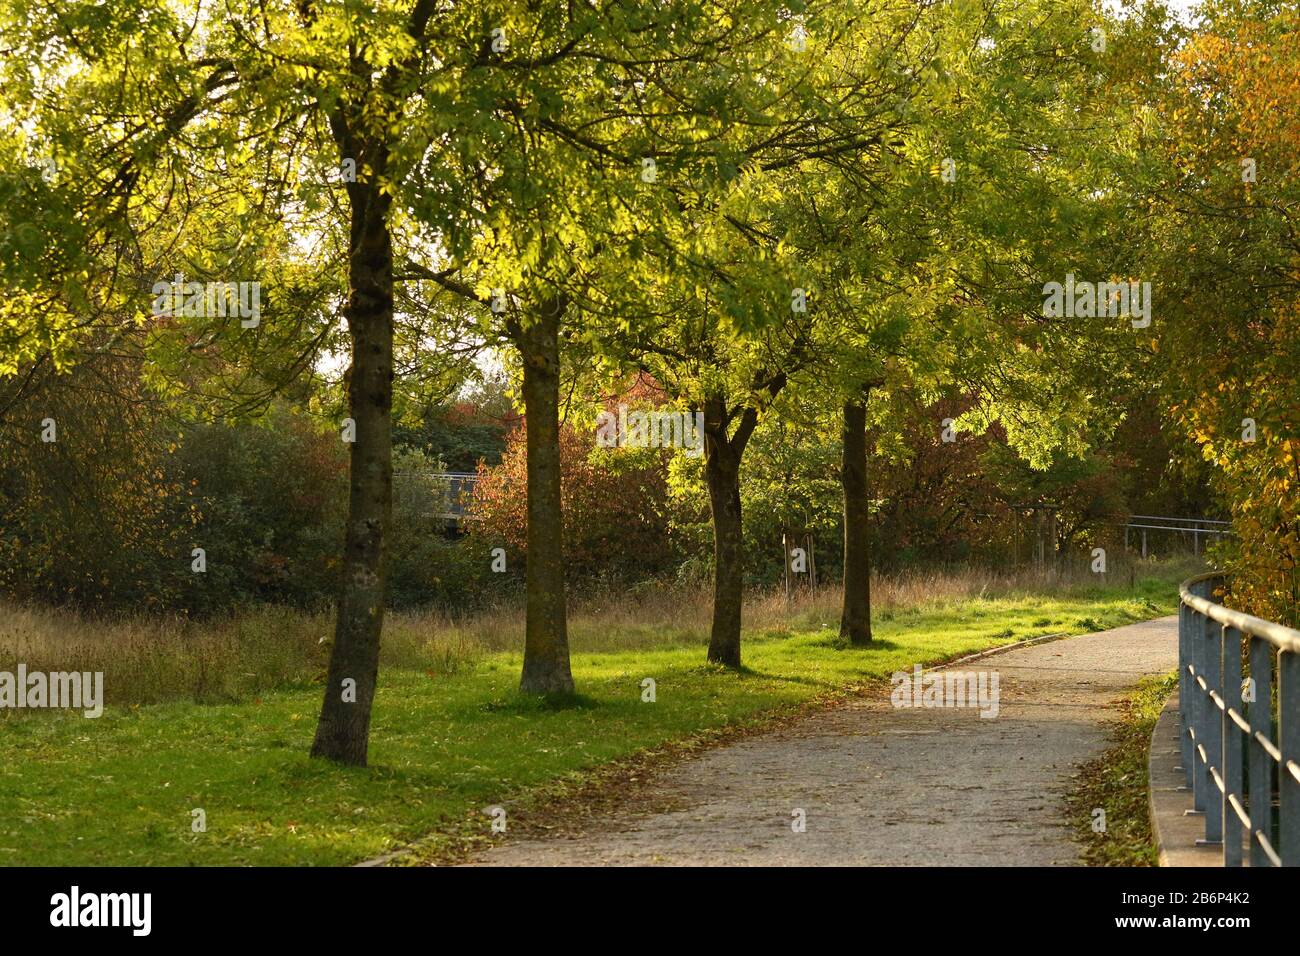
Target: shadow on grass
837,643
530,704
744,672
721,670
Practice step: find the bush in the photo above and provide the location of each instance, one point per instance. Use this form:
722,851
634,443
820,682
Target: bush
100,516
272,501
617,513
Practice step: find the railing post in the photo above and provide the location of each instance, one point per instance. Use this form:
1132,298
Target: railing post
1196,642
1288,704
1261,764
1230,642
1184,693
1211,638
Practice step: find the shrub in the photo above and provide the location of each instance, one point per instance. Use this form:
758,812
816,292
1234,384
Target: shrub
616,507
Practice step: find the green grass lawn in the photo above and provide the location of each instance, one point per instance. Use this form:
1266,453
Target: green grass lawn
120,789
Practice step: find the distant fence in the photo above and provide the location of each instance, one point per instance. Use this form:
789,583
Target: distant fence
1035,523
448,494
1195,528
1240,738
442,494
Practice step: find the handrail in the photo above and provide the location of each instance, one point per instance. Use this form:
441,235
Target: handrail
1171,527
1238,759
1192,520
1279,635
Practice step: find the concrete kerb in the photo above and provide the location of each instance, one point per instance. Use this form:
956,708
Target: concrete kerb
1168,799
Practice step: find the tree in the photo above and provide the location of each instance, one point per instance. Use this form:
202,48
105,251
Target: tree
923,262
278,105
631,124
743,303
1219,174
855,620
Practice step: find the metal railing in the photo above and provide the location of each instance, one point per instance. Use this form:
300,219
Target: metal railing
1243,768
444,494
1196,527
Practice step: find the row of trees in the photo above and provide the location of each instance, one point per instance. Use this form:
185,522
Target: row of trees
844,201
105,518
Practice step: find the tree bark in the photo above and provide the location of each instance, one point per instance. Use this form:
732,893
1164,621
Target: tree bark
546,639
855,621
722,456
343,731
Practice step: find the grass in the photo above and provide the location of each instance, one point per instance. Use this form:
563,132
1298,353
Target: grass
1116,782
247,655
451,735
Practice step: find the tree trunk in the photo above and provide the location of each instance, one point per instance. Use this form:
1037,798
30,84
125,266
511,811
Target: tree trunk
855,622
344,728
546,639
722,472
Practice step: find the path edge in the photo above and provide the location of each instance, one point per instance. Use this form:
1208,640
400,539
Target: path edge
1027,642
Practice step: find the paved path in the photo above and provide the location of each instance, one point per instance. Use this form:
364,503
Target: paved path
890,787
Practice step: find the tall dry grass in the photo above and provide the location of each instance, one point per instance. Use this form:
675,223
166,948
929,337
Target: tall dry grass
147,660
